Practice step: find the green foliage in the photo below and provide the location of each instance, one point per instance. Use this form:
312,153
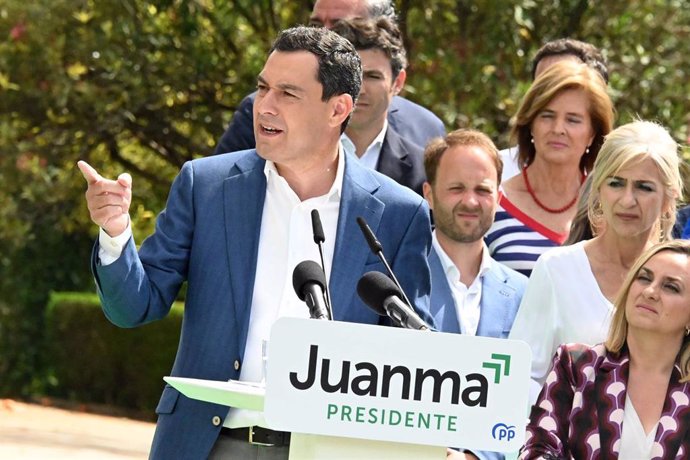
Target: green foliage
42,260
91,360
470,60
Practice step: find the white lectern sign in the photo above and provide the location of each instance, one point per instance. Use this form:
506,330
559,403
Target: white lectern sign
391,384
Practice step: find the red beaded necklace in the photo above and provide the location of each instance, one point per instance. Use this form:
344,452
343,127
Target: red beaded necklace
540,204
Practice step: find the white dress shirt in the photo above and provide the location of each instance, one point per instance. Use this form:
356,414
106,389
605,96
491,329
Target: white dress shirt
371,155
285,241
467,298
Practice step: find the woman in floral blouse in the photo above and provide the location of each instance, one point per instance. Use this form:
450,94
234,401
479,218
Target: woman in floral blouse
628,398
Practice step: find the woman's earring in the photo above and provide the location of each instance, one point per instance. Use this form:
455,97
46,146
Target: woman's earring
687,331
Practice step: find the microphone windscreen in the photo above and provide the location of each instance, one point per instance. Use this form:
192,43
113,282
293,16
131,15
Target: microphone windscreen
374,288
372,241
306,272
316,227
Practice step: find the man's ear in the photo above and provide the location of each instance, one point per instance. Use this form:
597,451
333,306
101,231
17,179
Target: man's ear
399,82
342,106
428,196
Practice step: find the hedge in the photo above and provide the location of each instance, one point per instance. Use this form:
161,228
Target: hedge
93,361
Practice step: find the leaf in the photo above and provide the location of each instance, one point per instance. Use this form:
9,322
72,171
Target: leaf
76,70
6,84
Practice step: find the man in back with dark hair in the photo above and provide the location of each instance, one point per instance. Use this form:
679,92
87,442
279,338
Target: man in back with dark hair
410,120
326,13
556,50
235,227
369,135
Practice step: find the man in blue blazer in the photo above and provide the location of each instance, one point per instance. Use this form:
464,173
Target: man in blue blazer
411,121
368,135
470,292
234,229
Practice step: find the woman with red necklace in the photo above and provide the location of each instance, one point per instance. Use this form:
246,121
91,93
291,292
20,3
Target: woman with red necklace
635,184
559,127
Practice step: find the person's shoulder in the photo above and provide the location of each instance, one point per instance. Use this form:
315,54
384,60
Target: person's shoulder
393,137
406,105
512,277
579,355
248,99
379,185
222,164
563,255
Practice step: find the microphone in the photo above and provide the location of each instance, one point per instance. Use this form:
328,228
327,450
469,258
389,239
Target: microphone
319,238
381,294
316,227
377,248
309,281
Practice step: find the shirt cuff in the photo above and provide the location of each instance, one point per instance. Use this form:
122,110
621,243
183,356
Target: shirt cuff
110,248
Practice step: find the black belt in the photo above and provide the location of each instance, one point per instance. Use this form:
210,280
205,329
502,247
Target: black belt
258,435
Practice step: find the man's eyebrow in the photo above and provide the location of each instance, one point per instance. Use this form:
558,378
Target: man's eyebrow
290,87
282,86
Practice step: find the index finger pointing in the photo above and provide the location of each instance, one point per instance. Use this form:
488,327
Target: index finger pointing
90,174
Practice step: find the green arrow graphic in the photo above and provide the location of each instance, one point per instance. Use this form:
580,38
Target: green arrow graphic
497,366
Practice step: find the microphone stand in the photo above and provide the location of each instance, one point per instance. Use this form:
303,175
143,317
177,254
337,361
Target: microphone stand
377,248
319,238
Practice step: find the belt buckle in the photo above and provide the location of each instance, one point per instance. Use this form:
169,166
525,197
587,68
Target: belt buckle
256,443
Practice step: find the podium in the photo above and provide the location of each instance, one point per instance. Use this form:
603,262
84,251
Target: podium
358,391
303,446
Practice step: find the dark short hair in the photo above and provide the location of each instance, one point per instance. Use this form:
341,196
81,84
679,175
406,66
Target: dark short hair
469,137
585,52
379,34
340,69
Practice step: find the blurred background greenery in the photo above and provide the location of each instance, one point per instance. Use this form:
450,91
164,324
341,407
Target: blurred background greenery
144,86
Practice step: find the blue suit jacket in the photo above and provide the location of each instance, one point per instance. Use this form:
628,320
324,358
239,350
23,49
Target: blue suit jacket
502,290
208,235
402,160
410,120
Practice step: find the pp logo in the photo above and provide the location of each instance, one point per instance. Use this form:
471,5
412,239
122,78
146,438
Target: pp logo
503,432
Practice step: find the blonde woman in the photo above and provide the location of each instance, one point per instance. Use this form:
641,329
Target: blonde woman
632,203
629,397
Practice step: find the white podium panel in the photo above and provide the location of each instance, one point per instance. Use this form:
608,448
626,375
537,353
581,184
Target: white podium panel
243,395
396,385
